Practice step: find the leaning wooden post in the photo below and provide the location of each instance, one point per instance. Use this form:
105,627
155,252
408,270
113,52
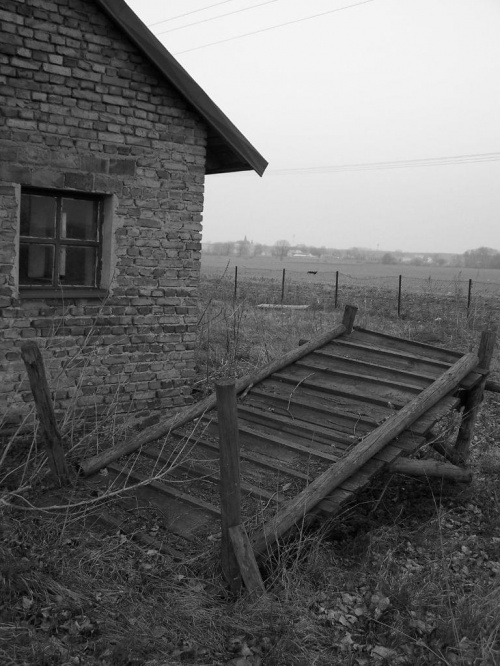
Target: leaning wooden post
349,317
229,478
45,411
474,397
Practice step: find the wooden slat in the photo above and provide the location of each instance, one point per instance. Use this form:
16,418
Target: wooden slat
349,387
367,368
346,404
392,378
260,460
197,471
386,356
163,489
385,341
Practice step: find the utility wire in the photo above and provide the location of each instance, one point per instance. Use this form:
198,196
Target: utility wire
398,164
274,27
195,11
213,18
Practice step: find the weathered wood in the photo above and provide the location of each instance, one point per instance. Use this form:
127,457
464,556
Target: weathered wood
431,468
492,386
474,396
291,513
45,411
246,561
230,494
421,349
93,464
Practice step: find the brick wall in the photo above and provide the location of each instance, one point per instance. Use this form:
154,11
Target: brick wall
81,109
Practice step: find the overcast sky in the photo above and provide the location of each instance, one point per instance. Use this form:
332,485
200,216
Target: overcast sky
338,103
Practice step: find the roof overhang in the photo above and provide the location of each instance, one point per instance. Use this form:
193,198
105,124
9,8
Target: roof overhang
227,149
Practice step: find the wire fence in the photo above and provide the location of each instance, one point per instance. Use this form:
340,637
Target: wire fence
389,296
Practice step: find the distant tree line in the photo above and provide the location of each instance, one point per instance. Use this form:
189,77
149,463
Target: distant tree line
482,257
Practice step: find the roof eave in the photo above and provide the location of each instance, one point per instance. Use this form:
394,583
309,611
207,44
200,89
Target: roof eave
246,157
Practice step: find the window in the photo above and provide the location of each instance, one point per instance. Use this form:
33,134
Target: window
60,240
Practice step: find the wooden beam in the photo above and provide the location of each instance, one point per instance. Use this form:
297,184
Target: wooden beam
230,493
45,410
474,396
294,511
246,561
492,386
95,463
431,468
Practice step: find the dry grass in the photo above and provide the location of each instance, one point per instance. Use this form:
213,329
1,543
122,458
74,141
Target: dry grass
409,575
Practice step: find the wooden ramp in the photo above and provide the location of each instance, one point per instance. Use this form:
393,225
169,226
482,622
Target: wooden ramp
300,425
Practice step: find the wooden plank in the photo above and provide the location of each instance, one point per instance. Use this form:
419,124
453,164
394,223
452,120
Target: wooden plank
349,464
343,404
349,387
164,489
310,432
197,471
367,368
302,407
390,379
385,341
387,357
246,561
93,464
261,461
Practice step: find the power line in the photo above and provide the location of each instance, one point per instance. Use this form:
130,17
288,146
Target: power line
195,11
274,27
213,18
397,164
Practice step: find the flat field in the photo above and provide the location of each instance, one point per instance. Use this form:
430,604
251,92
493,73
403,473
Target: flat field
325,270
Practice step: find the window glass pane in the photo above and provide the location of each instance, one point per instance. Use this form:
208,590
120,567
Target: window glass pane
79,219
38,216
77,266
36,264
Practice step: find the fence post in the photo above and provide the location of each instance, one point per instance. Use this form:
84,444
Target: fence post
336,289
399,295
45,410
235,283
469,297
230,493
283,287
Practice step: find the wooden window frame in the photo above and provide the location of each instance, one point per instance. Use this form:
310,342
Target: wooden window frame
56,289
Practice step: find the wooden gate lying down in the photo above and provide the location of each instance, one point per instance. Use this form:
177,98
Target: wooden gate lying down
314,428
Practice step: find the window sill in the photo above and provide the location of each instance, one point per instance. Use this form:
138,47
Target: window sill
61,294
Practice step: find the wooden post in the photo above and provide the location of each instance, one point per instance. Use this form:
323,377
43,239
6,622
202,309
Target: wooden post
283,287
399,295
45,411
235,283
474,397
469,297
349,317
336,288
246,560
229,478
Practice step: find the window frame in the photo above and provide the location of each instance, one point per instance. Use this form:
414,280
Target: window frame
57,290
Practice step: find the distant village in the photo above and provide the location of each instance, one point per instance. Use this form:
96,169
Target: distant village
482,257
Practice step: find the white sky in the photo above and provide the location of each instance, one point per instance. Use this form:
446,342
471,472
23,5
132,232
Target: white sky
384,81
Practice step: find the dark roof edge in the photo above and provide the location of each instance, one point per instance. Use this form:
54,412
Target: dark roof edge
121,14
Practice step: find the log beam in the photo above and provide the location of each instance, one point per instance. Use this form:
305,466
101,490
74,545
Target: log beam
430,468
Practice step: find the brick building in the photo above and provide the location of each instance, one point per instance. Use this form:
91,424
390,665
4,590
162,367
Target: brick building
105,142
